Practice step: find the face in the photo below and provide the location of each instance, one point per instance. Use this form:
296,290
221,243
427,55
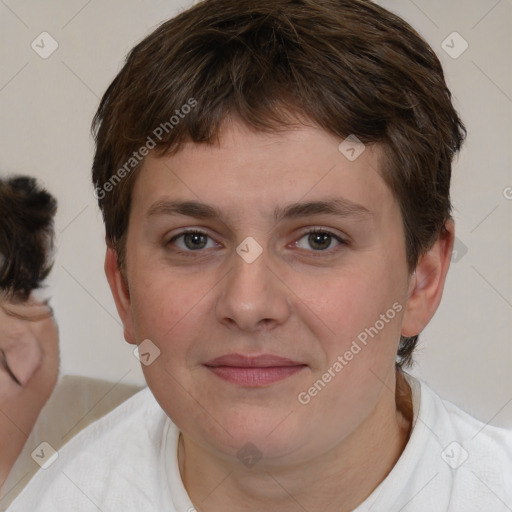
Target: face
324,289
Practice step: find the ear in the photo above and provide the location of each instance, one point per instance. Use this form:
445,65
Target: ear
120,292
427,282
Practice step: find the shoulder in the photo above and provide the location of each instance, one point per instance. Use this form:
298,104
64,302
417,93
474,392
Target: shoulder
477,455
128,438
453,420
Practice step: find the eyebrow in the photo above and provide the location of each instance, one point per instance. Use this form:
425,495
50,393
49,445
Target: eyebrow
339,207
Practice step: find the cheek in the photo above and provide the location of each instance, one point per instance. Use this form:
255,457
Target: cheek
364,318
168,309
346,304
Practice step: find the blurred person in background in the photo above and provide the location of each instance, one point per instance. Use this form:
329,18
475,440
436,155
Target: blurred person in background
36,404
29,352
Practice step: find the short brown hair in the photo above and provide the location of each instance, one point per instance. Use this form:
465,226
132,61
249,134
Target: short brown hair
348,66
26,236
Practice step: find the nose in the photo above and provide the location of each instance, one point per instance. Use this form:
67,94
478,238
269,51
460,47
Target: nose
253,297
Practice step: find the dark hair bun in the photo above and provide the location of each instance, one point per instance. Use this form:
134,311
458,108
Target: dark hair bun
26,235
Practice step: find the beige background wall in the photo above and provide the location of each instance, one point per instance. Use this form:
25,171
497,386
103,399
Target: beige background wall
47,105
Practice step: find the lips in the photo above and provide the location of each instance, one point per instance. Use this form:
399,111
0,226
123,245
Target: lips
241,361
253,371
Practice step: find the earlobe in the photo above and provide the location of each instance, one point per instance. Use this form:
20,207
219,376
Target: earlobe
426,284
120,293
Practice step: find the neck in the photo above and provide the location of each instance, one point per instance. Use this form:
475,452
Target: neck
338,480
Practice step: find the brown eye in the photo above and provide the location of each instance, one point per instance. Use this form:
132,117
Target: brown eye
320,240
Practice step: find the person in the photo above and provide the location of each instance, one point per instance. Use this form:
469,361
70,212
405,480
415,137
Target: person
274,177
29,351
38,410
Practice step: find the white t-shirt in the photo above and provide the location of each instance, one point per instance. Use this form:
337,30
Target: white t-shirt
127,461
75,403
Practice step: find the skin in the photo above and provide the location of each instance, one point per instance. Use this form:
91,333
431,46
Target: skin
29,353
294,300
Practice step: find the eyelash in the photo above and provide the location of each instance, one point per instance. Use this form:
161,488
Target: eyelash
342,242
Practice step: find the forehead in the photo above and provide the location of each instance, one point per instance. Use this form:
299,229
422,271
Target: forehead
259,171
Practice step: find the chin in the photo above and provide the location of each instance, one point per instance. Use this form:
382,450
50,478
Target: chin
254,434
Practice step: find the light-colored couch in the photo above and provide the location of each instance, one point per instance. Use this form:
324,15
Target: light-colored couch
75,403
